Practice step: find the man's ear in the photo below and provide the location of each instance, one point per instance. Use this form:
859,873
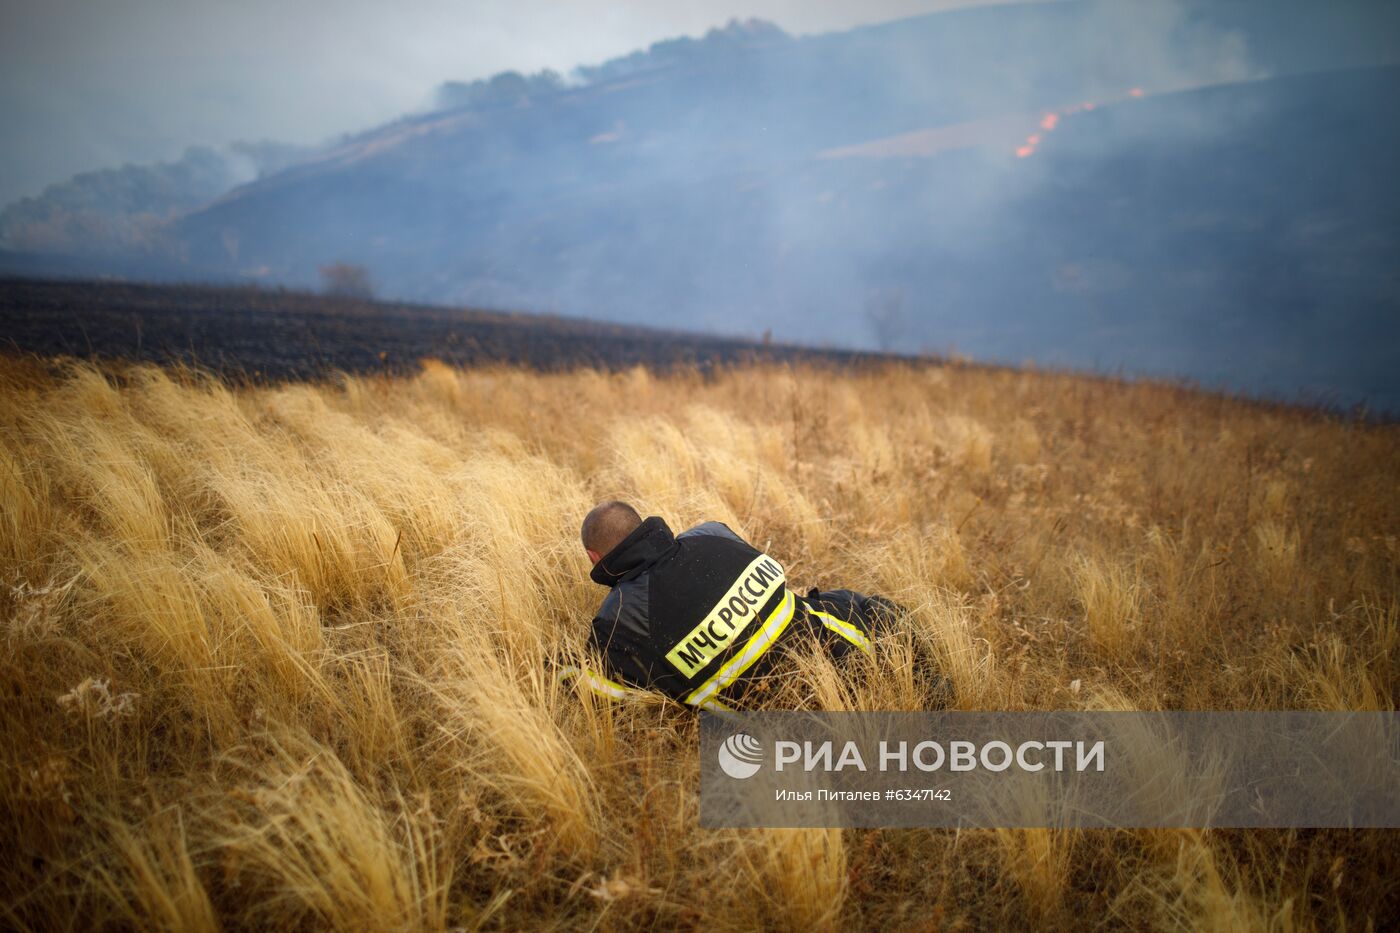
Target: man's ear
593,555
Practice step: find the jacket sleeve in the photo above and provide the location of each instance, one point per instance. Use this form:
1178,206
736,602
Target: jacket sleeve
613,670
610,673
631,666
627,664
618,661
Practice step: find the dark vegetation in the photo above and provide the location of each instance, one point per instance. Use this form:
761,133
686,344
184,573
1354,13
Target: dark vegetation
277,334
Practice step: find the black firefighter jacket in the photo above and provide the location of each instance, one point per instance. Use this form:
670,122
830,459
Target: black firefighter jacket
696,616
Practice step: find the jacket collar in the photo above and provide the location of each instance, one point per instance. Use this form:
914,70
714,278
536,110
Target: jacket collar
647,544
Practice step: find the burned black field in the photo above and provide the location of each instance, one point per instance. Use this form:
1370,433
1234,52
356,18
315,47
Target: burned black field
274,334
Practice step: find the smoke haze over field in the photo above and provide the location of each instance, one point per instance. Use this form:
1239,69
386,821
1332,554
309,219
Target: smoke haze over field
1196,188
94,85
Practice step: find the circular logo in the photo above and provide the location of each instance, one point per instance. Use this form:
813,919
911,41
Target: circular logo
740,756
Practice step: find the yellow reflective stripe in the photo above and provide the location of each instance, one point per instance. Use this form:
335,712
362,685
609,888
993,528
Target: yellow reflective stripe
845,629
761,641
600,684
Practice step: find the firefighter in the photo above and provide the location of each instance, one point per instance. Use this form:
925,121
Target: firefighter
702,616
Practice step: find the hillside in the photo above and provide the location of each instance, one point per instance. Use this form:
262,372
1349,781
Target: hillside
283,656
1243,236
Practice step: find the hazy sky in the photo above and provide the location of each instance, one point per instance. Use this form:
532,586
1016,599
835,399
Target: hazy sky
95,83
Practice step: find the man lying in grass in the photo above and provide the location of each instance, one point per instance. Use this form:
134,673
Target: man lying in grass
704,617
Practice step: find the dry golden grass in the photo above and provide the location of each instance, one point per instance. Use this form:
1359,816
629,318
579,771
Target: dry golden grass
279,656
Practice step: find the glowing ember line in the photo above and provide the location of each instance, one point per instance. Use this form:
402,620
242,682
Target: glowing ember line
1051,119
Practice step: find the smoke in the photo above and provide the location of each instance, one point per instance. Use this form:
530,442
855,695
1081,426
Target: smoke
1094,183
1166,45
937,213
130,208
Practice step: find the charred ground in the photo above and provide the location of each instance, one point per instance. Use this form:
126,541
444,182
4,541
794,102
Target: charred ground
280,334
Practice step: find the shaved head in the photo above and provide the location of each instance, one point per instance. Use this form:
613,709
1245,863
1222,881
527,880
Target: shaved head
606,526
